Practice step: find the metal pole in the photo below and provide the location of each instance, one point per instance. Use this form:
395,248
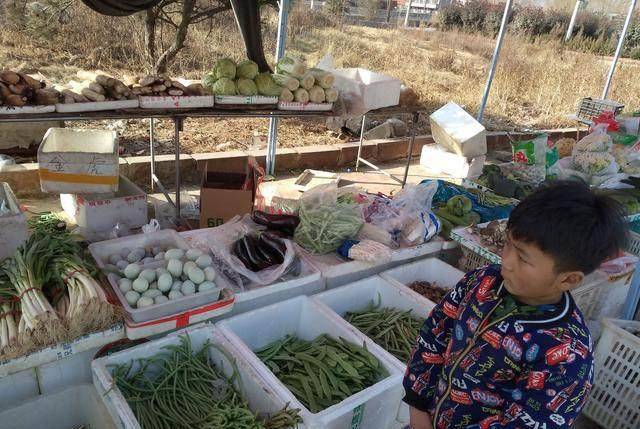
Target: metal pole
574,17
364,118
414,123
406,15
273,122
177,124
627,21
496,55
152,149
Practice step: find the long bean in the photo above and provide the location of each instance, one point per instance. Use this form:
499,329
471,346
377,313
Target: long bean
322,372
181,389
392,329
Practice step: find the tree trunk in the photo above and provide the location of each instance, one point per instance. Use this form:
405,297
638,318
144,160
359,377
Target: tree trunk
389,3
150,21
179,38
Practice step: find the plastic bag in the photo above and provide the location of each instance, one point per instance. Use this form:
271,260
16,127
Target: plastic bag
152,226
530,152
326,220
533,174
220,241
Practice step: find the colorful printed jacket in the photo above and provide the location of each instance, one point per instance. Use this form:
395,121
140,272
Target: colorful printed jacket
483,361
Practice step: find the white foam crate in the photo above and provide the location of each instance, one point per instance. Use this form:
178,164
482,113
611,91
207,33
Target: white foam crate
357,296
13,227
339,271
18,387
261,397
78,161
373,408
376,90
97,106
614,399
73,407
309,281
431,270
176,102
26,110
245,100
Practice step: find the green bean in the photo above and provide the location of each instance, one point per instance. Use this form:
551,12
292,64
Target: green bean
392,329
181,389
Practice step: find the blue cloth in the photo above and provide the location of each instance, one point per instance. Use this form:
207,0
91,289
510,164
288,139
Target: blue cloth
446,190
484,361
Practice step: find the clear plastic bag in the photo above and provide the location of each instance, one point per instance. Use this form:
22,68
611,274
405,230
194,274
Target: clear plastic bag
326,220
407,215
220,241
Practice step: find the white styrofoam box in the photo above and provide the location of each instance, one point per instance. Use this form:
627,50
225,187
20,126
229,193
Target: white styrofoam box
456,130
175,321
60,374
361,294
18,387
439,161
431,270
375,89
74,407
178,102
62,351
374,408
260,396
96,106
13,226
78,161
244,100
96,214
11,110
613,403
166,238
338,271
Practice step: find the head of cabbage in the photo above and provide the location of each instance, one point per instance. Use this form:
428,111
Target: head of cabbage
267,86
225,67
224,86
247,87
247,69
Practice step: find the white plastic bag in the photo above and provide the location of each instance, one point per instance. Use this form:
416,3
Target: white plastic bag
221,239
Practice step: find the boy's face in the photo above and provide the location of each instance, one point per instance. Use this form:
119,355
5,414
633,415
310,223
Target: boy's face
530,275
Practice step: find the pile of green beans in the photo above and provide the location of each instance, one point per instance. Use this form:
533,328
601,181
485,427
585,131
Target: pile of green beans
181,389
322,372
394,330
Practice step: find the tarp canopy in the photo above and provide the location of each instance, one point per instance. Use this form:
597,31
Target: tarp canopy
120,7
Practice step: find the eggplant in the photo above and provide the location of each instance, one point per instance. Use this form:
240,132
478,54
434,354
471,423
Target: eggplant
241,252
279,222
272,252
250,243
275,244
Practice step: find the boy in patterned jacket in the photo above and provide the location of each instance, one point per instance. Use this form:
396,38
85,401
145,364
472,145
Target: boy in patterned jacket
507,347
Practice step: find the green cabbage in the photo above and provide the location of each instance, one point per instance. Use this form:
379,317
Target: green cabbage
208,80
225,67
286,95
267,86
224,86
292,66
247,87
247,69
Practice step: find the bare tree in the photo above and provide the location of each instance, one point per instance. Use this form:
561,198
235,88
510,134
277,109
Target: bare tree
178,15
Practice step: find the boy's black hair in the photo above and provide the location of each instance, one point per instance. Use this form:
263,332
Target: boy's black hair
578,228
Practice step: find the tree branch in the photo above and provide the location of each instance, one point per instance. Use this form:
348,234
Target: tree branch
206,14
180,36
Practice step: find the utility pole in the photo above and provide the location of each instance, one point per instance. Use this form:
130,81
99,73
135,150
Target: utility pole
574,17
406,16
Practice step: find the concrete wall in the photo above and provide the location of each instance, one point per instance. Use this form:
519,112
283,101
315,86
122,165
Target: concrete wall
23,135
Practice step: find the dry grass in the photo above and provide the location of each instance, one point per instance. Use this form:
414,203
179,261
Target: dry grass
537,84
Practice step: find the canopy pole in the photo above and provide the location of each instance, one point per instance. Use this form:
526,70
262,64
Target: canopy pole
616,57
496,55
283,17
406,16
574,17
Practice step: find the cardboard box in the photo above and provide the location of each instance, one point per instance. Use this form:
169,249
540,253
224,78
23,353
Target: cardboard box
224,195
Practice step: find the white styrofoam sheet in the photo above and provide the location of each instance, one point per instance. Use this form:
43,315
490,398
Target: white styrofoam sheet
376,406
305,107
176,102
26,110
339,271
96,106
73,407
62,351
244,100
260,396
18,387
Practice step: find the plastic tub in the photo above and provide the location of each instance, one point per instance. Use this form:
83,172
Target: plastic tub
339,271
432,270
73,407
373,408
613,403
261,397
